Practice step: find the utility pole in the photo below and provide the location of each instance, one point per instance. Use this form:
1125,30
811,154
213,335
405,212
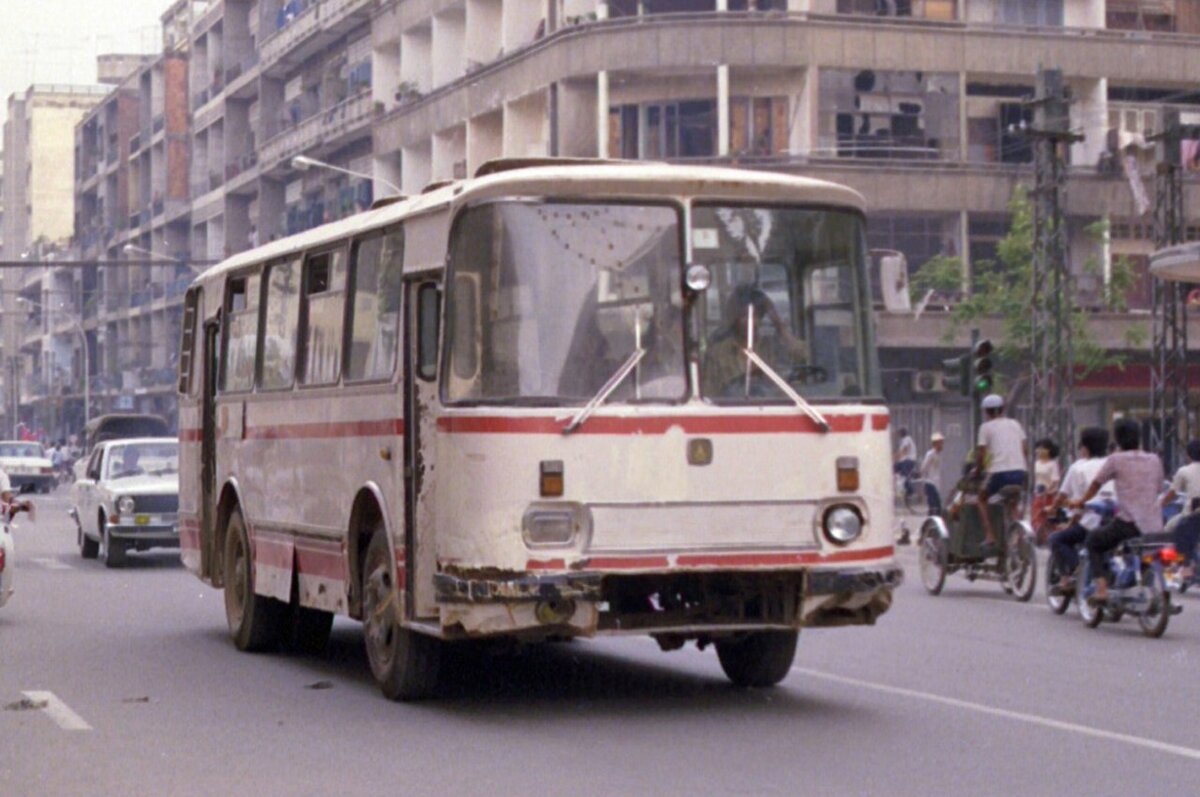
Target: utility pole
1052,355
1168,365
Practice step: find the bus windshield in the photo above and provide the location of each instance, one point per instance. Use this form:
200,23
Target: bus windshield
546,301
793,282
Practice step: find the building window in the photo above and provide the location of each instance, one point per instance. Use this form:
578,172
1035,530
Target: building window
996,121
921,9
758,126
917,236
685,129
1039,13
903,115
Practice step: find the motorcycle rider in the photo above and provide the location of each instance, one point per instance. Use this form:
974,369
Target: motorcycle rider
1138,476
1093,445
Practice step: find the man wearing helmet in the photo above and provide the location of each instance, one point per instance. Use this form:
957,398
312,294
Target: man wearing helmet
1002,454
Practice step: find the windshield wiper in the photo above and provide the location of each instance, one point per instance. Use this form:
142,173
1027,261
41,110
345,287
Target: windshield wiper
606,390
781,383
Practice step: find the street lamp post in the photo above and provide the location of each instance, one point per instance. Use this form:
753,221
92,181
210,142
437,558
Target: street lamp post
87,378
303,163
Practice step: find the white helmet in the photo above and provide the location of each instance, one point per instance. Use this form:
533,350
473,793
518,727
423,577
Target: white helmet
992,402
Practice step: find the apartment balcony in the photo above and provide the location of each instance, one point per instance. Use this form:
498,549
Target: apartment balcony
293,40
158,123
325,129
341,16
241,174
241,79
208,18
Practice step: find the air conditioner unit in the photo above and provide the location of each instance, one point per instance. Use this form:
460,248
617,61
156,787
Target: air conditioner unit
927,382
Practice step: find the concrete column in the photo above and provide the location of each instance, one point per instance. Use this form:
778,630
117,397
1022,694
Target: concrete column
962,117
602,114
964,229
722,104
722,5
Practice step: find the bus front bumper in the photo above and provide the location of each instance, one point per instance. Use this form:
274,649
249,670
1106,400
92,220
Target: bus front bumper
695,602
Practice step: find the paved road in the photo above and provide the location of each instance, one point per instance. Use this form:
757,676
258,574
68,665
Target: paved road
967,693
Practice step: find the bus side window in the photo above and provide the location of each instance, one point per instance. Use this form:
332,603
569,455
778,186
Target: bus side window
240,348
428,299
321,316
468,333
374,307
280,318
188,342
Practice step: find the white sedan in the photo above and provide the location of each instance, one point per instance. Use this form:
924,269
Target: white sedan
128,498
27,466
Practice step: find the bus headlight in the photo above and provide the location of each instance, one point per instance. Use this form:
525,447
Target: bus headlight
125,505
555,525
842,524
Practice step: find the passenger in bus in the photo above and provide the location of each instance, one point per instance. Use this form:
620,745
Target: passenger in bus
724,371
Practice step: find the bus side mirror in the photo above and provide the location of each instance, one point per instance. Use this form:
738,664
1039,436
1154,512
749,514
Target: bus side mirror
428,302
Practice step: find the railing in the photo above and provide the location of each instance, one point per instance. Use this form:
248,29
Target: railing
295,22
159,122
110,156
200,98
135,142
324,126
240,164
334,11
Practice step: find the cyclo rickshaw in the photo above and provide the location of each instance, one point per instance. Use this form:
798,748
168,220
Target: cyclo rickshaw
953,542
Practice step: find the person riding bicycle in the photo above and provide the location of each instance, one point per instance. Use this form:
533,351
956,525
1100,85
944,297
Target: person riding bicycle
1138,476
1186,535
1001,455
1093,445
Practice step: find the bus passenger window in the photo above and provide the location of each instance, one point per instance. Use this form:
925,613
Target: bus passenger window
375,307
241,334
279,327
324,310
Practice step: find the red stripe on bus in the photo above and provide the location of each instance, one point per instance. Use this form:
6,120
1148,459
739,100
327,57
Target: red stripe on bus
320,563
768,559
190,435
880,422
380,428
272,553
626,562
189,538
692,424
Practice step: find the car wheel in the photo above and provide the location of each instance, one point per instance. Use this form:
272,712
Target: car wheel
88,548
112,553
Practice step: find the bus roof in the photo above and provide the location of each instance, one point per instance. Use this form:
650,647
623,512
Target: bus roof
1177,263
578,179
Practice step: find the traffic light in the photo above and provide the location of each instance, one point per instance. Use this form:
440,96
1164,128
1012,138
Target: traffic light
956,374
981,368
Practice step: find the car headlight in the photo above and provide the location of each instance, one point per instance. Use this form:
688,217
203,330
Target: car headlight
125,505
555,525
842,524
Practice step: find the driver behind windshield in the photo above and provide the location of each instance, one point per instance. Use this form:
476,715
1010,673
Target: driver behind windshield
129,464
724,372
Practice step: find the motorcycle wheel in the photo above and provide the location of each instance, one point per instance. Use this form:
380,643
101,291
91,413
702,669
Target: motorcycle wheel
1091,615
1154,618
1059,602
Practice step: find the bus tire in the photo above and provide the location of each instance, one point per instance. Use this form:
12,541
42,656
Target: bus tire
255,622
307,630
403,662
758,659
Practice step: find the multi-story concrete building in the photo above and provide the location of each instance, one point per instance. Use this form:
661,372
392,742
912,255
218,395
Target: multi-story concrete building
919,104
38,224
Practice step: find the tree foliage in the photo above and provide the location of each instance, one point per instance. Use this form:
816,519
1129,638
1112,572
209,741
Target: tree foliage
1002,289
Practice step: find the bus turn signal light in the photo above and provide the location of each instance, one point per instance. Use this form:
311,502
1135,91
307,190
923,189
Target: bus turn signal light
551,478
847,474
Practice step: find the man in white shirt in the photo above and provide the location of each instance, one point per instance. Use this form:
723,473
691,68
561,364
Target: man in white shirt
906,459
1064,545
1002,454
1187,531
931,473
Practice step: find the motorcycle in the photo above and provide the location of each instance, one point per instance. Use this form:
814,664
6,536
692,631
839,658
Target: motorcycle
1137,586
1093,516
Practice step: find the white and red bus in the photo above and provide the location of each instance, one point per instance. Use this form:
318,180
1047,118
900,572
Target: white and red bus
554,400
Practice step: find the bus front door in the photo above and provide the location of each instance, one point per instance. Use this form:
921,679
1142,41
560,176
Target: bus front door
208,450
422,302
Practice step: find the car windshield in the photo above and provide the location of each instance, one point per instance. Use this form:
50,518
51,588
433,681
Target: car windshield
547,300
21,450
792,282
140,459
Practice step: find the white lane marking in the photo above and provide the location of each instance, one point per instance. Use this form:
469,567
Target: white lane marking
50,563
58,711
1018,716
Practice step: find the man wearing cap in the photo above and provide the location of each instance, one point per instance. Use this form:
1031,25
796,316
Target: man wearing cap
1001,454
931,472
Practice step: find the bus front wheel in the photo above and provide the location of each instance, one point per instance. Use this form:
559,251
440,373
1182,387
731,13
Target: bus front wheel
255,621
758,659
405,663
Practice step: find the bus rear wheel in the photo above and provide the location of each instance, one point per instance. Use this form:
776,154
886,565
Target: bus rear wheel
758,659
255,621
404,663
